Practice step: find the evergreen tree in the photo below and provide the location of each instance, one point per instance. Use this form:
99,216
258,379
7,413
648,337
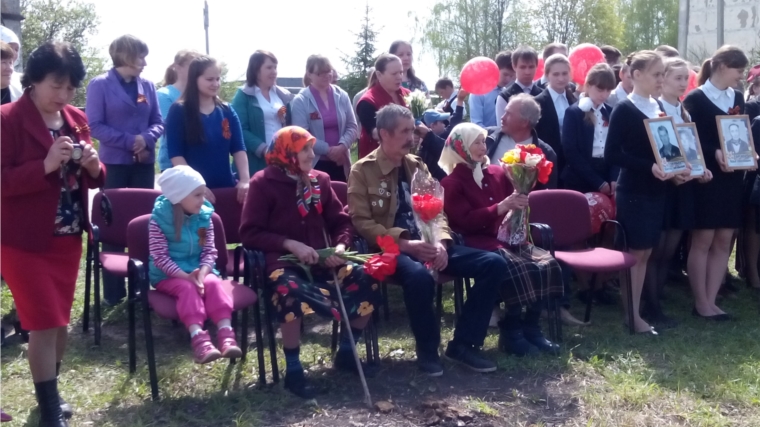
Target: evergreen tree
359,63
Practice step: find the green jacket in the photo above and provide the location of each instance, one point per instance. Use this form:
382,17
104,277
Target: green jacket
252,121
188,250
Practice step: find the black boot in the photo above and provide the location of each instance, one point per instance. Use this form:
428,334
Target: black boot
297,383
534,336
532,330
65,407
50,408
511,339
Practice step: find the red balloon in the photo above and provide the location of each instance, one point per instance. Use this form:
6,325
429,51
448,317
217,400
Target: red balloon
582,58
539,69
602,208
479,75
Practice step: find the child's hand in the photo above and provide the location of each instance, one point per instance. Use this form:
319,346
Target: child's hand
195,278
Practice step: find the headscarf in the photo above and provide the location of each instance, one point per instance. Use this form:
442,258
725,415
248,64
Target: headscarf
457,150
282,152
8,36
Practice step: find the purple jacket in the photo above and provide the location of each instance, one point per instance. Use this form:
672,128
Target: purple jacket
115,119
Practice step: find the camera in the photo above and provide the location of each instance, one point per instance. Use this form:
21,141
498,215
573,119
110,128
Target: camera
76,152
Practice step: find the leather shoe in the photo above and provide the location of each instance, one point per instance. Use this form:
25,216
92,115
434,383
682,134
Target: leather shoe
535,337
514,342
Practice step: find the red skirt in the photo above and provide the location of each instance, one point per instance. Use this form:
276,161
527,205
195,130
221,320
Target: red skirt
43,283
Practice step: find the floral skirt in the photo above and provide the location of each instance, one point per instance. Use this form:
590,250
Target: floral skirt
533,275
294,295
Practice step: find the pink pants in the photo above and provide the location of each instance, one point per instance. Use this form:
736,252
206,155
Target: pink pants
194,308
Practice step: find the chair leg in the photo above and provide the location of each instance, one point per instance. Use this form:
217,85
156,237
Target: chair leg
334,337
131,320
439,301
626,277
554,306
149,349
96,295
590,302
375,342
550,319
234,324
259,344
244,333
87,285
458,298
386,306
270,331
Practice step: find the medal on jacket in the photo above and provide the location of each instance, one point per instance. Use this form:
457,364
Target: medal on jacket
202,237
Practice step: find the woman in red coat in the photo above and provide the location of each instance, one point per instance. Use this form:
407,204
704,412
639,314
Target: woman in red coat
478,197
47,164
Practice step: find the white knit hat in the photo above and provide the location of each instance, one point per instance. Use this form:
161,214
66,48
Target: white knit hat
178,182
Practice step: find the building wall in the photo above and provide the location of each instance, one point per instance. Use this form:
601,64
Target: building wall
741,26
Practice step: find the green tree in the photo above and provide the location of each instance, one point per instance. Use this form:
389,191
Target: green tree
459,30
649,23
578,21
229,85
359,64
72,21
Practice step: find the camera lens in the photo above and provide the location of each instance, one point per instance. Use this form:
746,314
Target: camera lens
76,153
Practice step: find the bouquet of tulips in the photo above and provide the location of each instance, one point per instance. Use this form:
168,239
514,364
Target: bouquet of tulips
523,165
427,205
379,265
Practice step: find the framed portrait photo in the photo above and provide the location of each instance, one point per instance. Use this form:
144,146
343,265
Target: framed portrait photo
691,148
665,145
736,142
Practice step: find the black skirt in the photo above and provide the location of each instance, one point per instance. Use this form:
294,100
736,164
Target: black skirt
718,203
642,218
679,206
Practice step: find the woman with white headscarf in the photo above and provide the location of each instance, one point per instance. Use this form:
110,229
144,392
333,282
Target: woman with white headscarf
9,37
478,196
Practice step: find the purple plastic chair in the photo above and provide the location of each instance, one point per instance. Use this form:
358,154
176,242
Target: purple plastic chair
243,297
126,204
230,210
566,215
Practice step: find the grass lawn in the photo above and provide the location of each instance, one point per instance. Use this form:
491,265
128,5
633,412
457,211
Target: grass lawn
699,374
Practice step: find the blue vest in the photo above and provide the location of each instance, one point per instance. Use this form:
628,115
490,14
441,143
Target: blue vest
186,252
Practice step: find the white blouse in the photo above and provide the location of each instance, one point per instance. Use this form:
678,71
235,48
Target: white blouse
674,111
648,106
560,105
272,122
723,99
600,133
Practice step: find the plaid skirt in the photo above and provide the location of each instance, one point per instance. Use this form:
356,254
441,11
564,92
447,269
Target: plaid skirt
532,275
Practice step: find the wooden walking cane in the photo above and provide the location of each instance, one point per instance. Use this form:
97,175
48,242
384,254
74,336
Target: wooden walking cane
347,329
